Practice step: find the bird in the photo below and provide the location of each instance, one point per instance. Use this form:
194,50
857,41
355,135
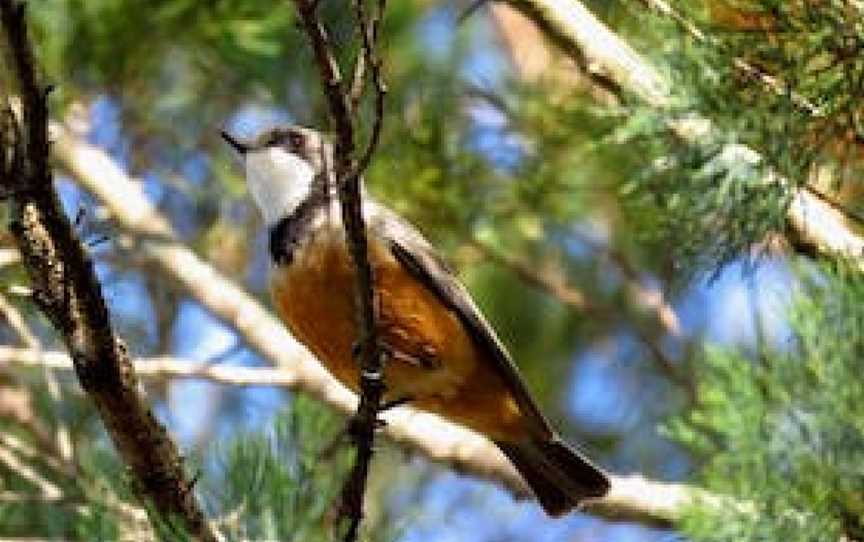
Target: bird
441,354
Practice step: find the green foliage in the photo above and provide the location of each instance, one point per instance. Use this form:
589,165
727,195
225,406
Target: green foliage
110,504
796,105
282,484
784,435
707,205
93,494
806,109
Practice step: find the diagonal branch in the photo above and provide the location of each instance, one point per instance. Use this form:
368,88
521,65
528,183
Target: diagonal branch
813,223
338,103
555,285
66,289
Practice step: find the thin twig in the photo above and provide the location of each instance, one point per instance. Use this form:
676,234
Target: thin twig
654,300
555,285
14,497
370,34
372,384
348,175
17,407
473,8
37,455
155,368
17,324
358,82
67,291
331,80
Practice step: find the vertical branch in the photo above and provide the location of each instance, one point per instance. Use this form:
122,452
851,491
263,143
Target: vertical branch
343,102
68,293
369,30
331,80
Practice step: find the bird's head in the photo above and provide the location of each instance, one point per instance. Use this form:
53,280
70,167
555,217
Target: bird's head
284,165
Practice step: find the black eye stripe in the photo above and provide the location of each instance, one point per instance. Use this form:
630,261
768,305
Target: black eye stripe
274,139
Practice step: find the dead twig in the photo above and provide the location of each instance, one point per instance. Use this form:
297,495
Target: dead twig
554,284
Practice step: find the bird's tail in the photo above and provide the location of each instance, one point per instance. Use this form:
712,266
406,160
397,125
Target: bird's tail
559,476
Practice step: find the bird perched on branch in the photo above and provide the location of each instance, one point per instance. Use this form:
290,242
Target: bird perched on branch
441,354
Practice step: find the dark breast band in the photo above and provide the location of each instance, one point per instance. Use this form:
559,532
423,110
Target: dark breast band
287,234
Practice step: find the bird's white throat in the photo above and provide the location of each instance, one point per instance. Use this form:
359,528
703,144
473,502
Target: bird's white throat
278,180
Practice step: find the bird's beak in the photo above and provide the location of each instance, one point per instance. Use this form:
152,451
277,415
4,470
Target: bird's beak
240,146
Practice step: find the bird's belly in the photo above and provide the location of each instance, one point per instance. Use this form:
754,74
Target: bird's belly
432,360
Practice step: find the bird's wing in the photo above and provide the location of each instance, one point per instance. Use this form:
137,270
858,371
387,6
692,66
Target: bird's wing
420,259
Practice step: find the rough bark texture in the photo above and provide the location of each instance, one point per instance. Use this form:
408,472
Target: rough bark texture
67,291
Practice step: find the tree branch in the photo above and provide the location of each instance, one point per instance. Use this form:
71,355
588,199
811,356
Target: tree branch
632,498
163,367
66,289
369,39
570,25
553,284
348,176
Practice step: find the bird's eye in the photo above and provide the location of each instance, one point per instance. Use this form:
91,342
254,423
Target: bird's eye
295,141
